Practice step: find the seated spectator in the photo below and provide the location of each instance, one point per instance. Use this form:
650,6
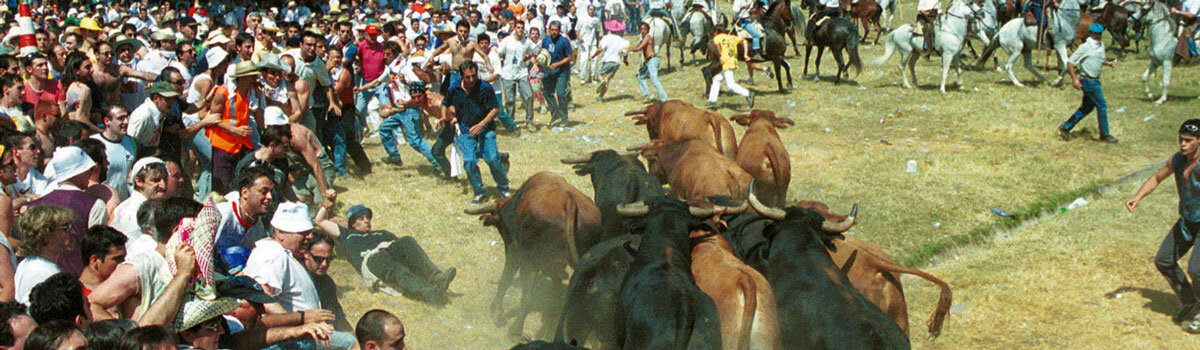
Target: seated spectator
240,217
60,298
60,335
72,168
378,329
148,179
107,334
147,338
381,258
45,230
17,325
143,277
103,249
273,266
318,253
271,156
200,325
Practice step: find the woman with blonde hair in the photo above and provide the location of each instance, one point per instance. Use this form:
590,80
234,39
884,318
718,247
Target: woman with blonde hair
44,228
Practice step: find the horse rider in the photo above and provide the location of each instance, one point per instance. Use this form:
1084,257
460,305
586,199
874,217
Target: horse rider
1035,15
1189,17
927,11
825,8
742,12
659,8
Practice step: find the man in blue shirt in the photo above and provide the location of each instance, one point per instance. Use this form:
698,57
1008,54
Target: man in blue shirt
473,103
556,87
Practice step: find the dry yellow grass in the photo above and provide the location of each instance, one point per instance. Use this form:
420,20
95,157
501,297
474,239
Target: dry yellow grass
993,145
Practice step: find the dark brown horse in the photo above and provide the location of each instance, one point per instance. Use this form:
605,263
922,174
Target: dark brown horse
780,18
837,34
867,13
773,50
1114,17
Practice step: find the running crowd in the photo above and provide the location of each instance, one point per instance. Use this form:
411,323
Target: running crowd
168,167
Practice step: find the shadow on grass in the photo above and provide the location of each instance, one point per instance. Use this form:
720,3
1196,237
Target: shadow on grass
1156,300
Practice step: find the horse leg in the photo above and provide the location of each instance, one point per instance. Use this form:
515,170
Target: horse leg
778,76
1146,78
1062,63
842,66
946,61
958,72
817,69
904,58
911,81
787,66
1166,81
807,51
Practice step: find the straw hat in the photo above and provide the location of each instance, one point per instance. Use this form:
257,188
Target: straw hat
196,311
245,69
89,23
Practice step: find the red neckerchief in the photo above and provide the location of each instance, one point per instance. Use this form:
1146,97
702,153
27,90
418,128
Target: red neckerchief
238,215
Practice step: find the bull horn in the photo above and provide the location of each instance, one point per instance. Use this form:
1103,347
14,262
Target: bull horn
763,209
738,209
633,209
639,147
630,153
480,209
637,112
839,227
702,212
578,160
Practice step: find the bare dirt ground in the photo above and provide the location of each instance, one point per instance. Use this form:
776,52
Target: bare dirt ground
1082,279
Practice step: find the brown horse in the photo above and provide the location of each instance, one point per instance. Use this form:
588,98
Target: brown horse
1114,17
867,13
780,18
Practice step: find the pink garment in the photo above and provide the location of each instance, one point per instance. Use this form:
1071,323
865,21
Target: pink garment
201,233
372,59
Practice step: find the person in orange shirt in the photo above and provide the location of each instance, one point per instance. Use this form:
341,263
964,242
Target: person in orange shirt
230,134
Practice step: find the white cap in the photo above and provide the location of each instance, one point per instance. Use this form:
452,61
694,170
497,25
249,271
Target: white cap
137,167
70,161
292,217
215,55
274,116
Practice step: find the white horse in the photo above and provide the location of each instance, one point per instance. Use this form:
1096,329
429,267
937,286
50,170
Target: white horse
951,34
660,30
699,26
888,8
1020,39
1156,19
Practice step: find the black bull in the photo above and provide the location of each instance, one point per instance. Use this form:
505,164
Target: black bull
617,179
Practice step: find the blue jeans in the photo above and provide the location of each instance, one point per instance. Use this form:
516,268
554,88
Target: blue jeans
1093,98
1174,246
1037,12
362,99
635,17
650,70
755,35
555,88
337,341
482,146
408,121
504,117
333,137
203,149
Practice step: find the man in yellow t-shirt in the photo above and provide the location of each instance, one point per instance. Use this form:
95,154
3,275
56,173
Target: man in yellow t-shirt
727,46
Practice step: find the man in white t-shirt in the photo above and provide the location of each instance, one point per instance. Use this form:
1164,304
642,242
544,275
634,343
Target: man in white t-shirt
515,53
612,53
587,27
119,148
273,265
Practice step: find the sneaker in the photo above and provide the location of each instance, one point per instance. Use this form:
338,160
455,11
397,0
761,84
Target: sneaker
1185,312
479,199
506,193
750,99
711,105
1064,134
1192,327
1108,139
393,160
442,279
770,75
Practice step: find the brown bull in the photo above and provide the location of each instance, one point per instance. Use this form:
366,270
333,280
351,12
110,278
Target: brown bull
545,226
675,120
873,275
694,170
744,299
762,154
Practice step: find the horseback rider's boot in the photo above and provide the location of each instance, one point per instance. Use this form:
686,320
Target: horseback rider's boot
927,31
756,54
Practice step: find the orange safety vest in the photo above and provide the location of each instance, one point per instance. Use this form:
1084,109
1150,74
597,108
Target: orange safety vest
235,113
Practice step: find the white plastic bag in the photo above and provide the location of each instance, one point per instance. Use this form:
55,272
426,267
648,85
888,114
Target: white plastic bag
456,161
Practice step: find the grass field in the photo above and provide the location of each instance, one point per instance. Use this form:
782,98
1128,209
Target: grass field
990,146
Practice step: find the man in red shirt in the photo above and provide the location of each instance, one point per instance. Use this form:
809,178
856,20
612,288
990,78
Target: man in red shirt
370,54
39,86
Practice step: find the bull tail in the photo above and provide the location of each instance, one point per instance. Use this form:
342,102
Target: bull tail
944,300
574,232
749,308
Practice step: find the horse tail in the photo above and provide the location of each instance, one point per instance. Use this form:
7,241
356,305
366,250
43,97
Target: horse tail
988,51
852,50
889,47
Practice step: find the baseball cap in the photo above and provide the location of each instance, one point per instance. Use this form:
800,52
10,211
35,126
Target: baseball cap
163,89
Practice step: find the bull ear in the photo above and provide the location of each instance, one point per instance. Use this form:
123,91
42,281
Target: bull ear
583,169
742,119
783,123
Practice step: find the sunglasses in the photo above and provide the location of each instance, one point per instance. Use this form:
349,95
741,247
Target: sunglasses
319,259
1190,129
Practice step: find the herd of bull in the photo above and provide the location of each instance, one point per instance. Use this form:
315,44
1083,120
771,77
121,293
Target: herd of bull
719,261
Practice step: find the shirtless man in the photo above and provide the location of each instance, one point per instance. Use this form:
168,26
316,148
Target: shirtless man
461,49
107,74
649,64
305,143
